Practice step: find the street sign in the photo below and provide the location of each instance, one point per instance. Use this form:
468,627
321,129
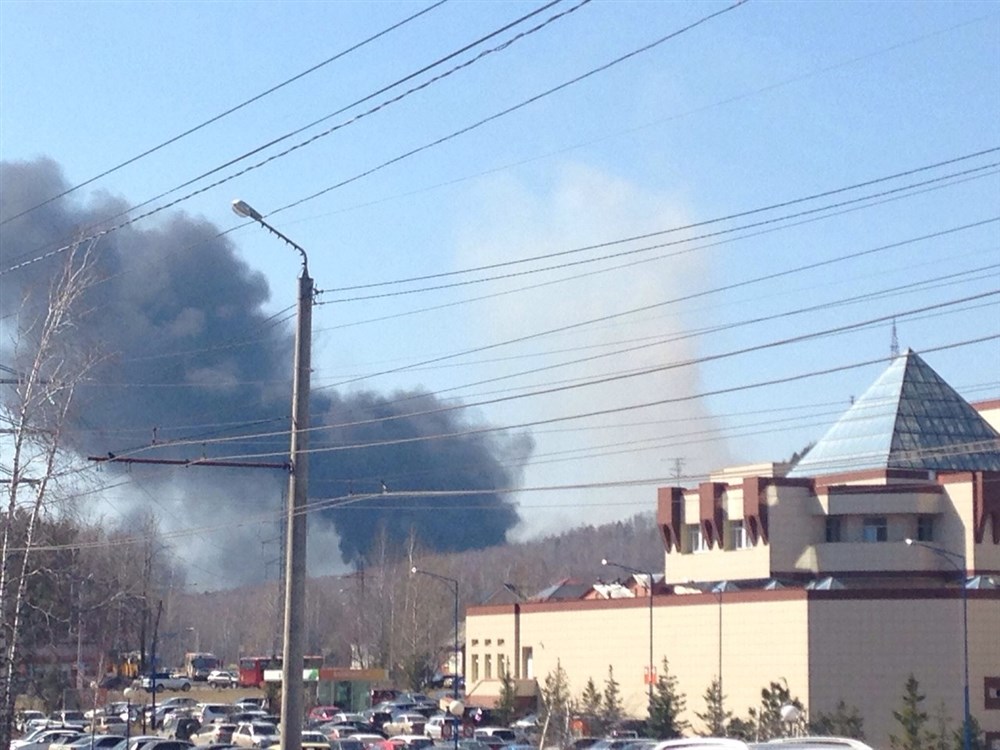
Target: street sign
649,675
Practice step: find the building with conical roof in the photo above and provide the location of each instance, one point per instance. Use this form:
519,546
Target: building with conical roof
846,573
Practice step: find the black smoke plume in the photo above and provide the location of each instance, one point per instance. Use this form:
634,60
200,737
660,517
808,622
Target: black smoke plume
192,354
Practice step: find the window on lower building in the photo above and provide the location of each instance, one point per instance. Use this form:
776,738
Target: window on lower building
925,528
738,537
696,539
475,667
833,529
528,663
501,666
875,529
488,667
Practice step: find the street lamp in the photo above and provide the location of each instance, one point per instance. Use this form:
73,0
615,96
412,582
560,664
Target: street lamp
650,675
454,678
293,657
958,562
197,637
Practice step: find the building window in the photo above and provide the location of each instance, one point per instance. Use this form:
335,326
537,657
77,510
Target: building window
488,667
833,529
499,641
475,641
528,663
925,528
696,540
738,537
488,642
501,666
875,529
475,667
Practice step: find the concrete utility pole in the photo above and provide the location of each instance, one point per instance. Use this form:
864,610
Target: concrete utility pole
293,656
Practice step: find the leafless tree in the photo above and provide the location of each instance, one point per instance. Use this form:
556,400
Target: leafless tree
48,367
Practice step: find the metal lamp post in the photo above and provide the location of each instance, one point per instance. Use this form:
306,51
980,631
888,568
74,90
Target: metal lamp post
652,669
293,657
454,678
958,562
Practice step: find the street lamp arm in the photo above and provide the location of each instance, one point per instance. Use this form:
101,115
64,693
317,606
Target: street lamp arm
956,560
420,571
242,208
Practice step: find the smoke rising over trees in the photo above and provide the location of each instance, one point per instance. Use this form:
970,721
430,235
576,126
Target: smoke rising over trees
193,366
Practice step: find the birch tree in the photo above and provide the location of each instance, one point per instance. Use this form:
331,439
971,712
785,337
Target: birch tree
48,366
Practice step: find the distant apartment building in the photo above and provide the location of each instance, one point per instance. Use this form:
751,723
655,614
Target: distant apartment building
841,576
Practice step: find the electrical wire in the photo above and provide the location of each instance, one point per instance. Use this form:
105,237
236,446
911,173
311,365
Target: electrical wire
227,112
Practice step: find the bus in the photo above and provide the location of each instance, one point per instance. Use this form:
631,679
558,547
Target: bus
252,668
198,664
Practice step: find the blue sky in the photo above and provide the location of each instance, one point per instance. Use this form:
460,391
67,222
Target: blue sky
763,104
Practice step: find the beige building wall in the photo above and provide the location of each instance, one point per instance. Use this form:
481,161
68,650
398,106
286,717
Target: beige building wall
863,650
828,646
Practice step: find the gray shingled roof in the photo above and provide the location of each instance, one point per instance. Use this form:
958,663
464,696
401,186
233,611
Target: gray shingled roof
910,418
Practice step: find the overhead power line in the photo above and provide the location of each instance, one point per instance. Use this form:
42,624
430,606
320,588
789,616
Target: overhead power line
127,222
227,112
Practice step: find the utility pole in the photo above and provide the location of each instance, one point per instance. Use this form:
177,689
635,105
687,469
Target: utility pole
293,657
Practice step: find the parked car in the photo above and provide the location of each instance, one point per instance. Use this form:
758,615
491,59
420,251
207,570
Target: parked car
495,737
21,718
405,723
323,713
44,738
221,678
210,712
216,733
350,743
367,739
440,727
164,681
255,734
411,741
161,744
107,724
311,740
87,741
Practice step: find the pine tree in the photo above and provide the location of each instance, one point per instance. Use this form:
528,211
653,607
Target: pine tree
912,720
507,701
716,718
666,707
556,706
612,709
977,741
591,706
845,721
767,720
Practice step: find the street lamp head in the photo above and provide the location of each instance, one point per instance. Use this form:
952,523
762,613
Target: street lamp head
604,561
909,541
242,208
413,569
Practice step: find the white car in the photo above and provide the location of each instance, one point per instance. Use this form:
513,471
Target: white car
164,681
255,734
221,678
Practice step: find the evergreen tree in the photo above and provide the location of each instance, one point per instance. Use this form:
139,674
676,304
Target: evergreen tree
976,739
612,709
767,719
845,721
507,701
666,707
716,718
939,738
912,720
591,706
556,707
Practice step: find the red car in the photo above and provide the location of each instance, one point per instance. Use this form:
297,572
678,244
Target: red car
323,713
